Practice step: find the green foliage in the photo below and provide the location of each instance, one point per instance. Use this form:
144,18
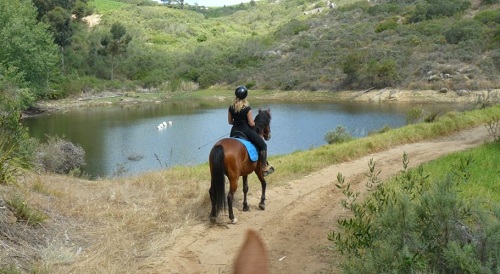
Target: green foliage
275,45
488,16
339,135
25,45
493,127
389,24
59,20
25,212
15,140
381,74
429,9
413,224
116,44
463,31
10,166
105,6
292,28
414,115
490,2
384,129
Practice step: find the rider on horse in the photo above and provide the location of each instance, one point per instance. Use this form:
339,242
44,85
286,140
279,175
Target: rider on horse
241,117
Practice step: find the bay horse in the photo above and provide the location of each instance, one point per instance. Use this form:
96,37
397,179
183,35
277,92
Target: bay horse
229,157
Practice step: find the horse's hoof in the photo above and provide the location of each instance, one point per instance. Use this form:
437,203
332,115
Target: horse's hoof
262,206
234,221
246,208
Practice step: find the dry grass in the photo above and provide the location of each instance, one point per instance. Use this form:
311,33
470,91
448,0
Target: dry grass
107,226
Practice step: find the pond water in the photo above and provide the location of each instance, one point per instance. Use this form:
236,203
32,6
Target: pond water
125,140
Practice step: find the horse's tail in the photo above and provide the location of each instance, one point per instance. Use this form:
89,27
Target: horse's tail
218,180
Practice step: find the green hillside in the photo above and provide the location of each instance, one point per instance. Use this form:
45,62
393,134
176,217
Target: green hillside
302,45
279,45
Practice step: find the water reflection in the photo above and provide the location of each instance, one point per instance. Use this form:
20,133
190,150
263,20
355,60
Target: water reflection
126,139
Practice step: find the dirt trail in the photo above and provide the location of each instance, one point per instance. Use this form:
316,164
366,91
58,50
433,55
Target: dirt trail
300,214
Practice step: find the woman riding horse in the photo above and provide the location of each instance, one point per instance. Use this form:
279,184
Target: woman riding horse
240,116
229,158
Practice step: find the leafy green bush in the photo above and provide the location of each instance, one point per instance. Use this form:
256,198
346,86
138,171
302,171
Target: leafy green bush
488,16
340,135
388,24
464,30
430,9
415,225
293,27
414,115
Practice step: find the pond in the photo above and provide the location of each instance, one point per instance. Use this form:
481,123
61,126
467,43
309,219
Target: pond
125,140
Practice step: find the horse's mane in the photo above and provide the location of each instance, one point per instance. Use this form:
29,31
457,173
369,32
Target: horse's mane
262,120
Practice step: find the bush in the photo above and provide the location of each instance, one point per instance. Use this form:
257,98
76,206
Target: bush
463,31
340,135
414,225
414,115
10,165
60,156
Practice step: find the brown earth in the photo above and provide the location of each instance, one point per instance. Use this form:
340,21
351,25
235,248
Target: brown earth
300,214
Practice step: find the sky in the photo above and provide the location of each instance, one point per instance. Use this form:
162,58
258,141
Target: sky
213,3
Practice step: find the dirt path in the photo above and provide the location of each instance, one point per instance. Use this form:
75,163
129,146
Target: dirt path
300,214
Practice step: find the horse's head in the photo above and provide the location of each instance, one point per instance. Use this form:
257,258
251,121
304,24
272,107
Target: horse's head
263,123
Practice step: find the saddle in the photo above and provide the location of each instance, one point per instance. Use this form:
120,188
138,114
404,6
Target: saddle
253,153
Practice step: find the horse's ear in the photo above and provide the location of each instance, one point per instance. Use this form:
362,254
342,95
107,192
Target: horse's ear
252,257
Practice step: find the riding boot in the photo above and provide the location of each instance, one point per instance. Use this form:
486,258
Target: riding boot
266,168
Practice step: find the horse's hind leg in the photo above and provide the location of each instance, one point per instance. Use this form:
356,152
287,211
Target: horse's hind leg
213,214
233,185
245,191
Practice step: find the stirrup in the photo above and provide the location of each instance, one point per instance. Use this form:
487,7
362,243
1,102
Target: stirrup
269,171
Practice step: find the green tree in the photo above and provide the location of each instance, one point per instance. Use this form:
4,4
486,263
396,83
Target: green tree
115,44
59,20
26,46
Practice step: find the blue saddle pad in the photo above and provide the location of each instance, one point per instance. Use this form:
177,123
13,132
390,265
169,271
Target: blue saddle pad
252,150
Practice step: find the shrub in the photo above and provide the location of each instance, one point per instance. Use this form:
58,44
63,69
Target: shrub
60,156
414,115
493,127
10,165
414,225
430,9
464,30
340,135
388,24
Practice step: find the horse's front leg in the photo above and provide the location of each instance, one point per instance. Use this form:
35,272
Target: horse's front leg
245,191
263,183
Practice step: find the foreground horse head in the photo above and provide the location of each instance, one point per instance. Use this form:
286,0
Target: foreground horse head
230,158
252,257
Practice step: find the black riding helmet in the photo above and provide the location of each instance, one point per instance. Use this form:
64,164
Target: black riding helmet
241,92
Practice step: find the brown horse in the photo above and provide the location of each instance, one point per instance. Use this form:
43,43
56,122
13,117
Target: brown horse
229,157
